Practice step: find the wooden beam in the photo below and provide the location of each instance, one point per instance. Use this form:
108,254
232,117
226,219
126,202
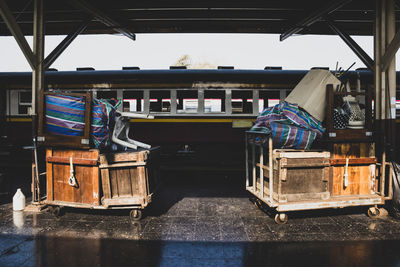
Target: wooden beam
103,17
75,161
15,30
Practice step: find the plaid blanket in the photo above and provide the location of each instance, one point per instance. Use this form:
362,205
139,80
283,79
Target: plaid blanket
289,126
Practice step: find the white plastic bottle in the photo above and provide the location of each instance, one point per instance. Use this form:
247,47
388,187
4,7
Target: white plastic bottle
19,200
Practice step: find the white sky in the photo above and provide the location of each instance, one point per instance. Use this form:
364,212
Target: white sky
159,51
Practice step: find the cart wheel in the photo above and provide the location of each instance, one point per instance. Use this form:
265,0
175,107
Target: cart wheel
258,204
281,218
55,210
136,214
373,212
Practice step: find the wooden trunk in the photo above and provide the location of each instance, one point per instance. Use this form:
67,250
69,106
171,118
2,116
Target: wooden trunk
298,175
86,172
129,178
361,169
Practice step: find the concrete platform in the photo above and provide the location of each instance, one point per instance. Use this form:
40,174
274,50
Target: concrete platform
198,224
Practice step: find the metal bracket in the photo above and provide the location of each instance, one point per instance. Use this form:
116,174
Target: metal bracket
313,17
365,58
65,43
15,30
102,17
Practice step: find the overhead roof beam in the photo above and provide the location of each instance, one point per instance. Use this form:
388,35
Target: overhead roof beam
15,30
314,17
390,51
102,17
365,58
65,43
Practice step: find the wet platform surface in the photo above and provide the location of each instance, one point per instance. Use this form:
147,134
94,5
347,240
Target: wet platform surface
198,225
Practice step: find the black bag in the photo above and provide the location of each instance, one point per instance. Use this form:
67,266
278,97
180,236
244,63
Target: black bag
340,118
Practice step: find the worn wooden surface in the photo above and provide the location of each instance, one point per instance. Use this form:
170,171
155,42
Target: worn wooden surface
87,177
299,176
129,177
361,177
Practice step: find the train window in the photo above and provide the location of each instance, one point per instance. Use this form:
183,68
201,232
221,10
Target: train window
24,102
270,98
133,101
214,101
242,102
160,101
106,94
187,101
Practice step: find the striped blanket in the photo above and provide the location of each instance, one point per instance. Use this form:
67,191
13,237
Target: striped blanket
289,126
65,115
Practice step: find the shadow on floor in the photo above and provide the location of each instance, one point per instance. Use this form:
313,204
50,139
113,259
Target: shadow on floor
75,251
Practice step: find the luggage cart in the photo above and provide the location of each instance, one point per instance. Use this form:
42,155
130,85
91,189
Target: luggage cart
294,180
128,179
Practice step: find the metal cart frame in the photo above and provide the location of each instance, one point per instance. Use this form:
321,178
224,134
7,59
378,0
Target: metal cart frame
266,196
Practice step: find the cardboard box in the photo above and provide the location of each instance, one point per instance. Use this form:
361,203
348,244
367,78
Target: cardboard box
310,92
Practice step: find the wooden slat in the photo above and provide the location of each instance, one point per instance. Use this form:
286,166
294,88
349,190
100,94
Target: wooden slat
75,161
49,176
119,165
122,157
354,161
80,193
105,180
266,168
300,154
114,184
305,165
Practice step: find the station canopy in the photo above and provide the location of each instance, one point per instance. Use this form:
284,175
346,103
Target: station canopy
285,17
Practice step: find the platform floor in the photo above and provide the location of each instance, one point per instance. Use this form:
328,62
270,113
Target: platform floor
198,224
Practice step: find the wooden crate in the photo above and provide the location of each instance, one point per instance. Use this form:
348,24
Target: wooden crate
361,169
129,178
86,171
298,175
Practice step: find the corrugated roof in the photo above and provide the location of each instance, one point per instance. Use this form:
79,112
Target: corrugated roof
179,16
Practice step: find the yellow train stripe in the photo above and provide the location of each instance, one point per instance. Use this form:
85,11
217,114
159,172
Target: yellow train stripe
19,120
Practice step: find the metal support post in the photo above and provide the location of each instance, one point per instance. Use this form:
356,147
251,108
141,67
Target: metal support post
256,97
173,102
200,105
228,102
385,78
253,164
261,171
271,170
146,101
246,145
37,86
